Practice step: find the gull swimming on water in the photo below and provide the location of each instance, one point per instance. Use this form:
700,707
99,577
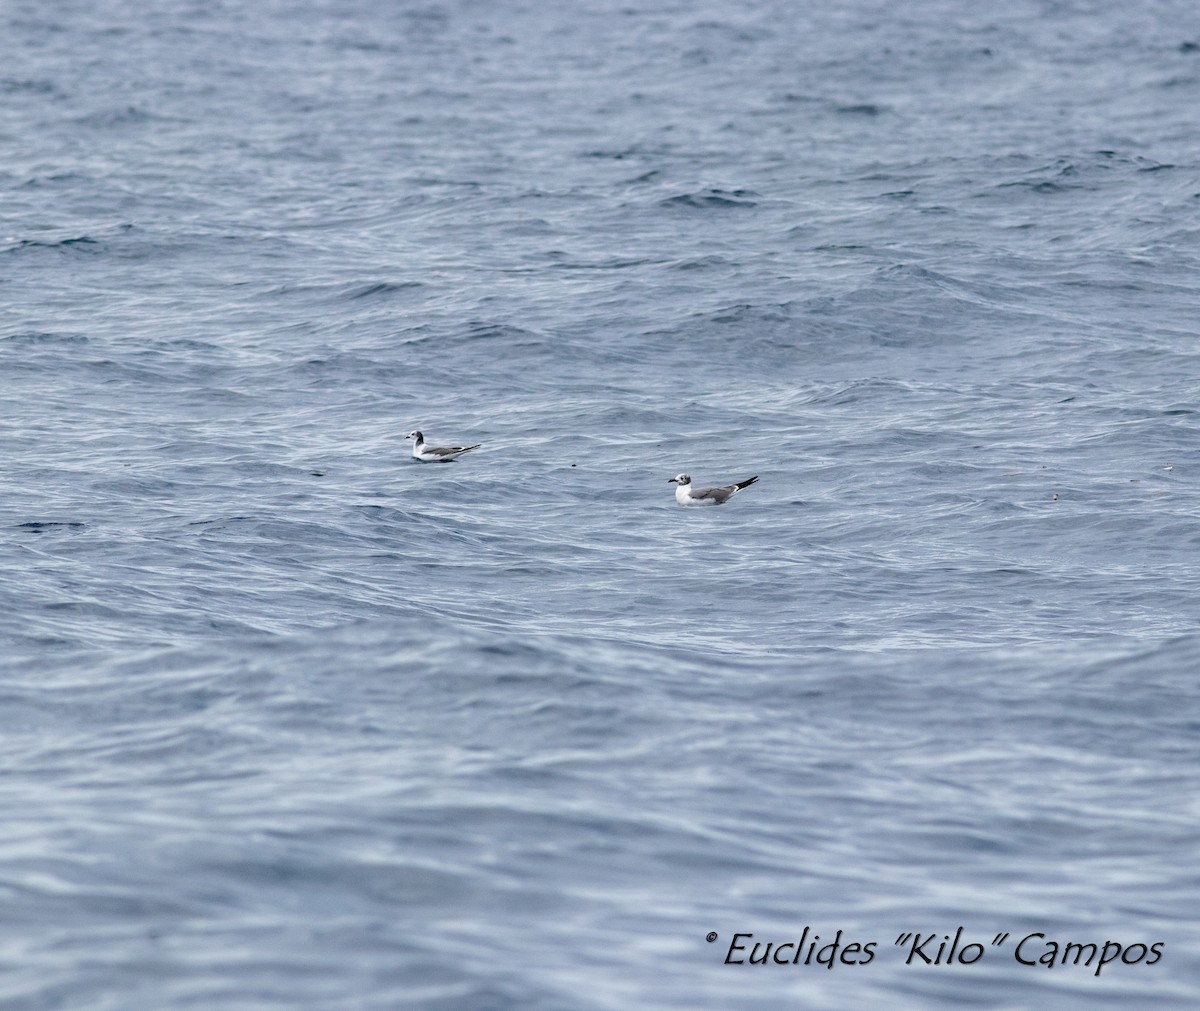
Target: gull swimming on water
436,454
685,494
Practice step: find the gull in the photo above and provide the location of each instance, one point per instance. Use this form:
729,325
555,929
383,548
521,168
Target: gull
436,454
685,494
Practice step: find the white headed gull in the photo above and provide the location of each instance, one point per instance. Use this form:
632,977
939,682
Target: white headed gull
685,494
436,454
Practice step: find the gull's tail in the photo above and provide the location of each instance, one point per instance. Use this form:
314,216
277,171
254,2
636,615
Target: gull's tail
747,483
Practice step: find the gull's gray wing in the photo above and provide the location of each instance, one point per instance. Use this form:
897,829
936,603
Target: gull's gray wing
718,495
451,450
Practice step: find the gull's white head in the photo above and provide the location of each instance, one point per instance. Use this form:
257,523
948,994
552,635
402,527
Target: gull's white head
680,479
415,434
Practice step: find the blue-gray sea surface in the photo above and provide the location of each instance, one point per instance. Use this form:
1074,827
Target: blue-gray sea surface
290,720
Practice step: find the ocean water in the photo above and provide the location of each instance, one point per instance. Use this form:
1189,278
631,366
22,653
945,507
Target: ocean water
289,720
